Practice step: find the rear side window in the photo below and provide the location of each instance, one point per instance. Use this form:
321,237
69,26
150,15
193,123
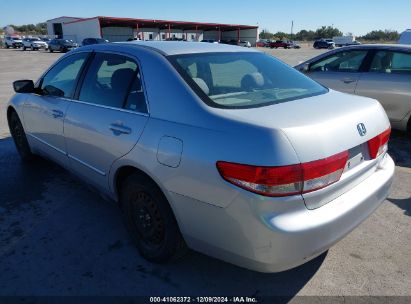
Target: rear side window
348,61
61,79
243,79
390,62
113,80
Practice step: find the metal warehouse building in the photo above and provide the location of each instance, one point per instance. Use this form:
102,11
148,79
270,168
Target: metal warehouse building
121,29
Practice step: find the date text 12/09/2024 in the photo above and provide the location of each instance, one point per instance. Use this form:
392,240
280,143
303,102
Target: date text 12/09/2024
238,299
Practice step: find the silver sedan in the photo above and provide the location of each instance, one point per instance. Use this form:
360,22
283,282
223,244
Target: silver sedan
217,148
382,72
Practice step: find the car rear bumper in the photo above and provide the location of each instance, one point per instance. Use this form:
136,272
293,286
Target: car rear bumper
272,235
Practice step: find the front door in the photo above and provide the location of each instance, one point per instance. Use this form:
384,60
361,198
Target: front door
339,71
44,112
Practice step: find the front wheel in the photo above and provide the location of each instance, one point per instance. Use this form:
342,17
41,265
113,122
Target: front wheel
24,48
150,220
50,50
19,137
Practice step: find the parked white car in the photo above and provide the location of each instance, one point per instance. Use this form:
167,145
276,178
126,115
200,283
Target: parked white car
14,42
244,43
34,44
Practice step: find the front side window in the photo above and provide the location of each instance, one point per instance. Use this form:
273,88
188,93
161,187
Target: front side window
243,80
389,62
113,80
61,79
348,61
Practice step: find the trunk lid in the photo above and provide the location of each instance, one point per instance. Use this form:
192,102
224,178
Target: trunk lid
321,126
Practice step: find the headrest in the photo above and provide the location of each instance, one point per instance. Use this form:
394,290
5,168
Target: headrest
252,81
203,86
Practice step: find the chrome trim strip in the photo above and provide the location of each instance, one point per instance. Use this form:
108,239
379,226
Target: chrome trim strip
47,144
70,156
110,108
87,165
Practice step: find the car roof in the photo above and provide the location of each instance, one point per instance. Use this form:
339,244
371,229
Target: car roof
380,46
395,47
184,47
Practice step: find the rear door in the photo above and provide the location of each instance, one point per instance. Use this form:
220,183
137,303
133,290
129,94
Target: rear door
389,81
108,117
339,71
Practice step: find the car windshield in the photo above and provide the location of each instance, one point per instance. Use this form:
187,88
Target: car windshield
243,80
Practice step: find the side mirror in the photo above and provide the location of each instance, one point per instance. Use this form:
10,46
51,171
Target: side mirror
23,86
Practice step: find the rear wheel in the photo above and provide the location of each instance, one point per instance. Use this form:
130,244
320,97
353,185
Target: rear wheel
50,50
150,220
19,137
7,46
24,48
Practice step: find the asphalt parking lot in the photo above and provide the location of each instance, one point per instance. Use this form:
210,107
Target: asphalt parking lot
59,238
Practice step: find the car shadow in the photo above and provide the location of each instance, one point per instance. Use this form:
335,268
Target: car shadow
59,238
404,204
399,148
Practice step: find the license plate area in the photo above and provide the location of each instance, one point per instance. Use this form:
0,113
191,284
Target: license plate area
357,156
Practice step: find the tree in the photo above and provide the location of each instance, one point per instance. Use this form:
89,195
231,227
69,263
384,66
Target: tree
327,32
33,29
265,34
380,35
305,35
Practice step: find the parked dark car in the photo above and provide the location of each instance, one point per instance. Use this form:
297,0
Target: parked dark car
88,41
263,43
280,44
209,41
61,45
324,44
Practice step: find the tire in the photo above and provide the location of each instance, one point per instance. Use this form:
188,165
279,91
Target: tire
150,220
50,50
31,48
19,137
24,48
7,46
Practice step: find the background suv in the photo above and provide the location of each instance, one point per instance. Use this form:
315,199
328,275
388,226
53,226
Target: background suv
14,42
34,44
61,45
88,41
324,44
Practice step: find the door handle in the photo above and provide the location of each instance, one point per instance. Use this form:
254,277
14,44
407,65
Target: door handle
57,113
119,129
348,80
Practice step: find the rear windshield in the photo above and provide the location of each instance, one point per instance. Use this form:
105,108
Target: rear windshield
243,80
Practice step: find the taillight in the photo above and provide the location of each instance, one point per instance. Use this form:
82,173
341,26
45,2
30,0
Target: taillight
285,180
379,144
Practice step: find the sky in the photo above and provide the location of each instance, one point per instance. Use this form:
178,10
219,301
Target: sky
350,16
